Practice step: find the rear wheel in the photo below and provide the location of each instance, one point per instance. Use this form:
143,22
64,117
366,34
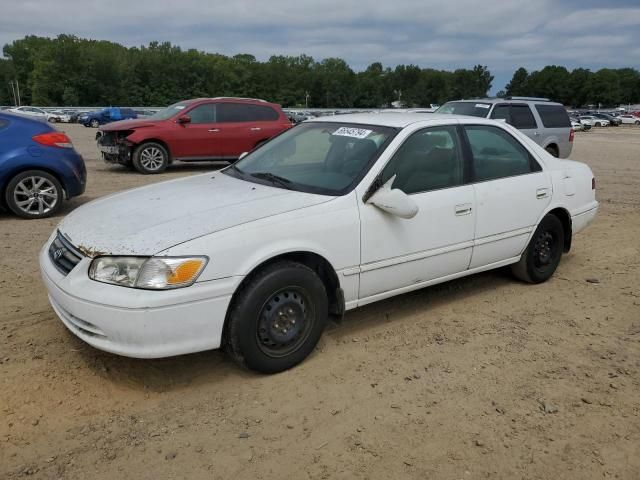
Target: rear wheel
34,194
94,123
150,157
542,256
637,122
277,319
552,150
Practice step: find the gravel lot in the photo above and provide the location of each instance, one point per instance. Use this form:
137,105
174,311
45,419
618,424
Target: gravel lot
482,377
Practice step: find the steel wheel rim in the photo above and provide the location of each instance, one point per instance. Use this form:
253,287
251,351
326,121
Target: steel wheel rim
284,322
545,250
152,158
35,195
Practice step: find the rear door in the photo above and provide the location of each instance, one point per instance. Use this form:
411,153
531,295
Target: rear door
238,127
557,128
511,192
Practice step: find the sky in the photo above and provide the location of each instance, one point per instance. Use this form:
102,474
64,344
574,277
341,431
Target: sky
501,34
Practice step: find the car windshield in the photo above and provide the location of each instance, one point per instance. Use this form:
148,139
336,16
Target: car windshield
170,111
475,109
325,158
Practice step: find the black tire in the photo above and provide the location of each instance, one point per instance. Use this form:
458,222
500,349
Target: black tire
542,256
43,201
286,292
150,158
637,122
552,150
52,120
94,123
598,124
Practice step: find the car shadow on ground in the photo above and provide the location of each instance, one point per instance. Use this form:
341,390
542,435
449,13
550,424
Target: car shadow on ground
162,375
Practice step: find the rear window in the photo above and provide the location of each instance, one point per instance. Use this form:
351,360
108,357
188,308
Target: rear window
262,113
553,116
244,112
475,109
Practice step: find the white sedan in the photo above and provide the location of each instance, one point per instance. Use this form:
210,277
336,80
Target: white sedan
594,121
36,112
333,214
629,119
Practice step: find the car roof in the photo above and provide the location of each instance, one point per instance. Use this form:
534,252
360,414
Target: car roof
541,101
396,120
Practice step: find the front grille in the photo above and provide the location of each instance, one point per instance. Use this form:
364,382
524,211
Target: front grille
63,254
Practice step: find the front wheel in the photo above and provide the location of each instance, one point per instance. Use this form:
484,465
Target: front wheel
277,318
150,158
637,122
542,256
34,194
94,123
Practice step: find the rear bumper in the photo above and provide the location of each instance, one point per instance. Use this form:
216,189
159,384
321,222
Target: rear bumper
582,219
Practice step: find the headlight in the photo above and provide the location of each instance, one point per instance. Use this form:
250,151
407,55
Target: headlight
154,273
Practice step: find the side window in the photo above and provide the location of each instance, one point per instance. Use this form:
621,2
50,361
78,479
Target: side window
260,113
522,118
205,113
232,112
553,116
428,160
500,112
497,154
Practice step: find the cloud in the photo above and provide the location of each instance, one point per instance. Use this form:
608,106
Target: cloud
430,33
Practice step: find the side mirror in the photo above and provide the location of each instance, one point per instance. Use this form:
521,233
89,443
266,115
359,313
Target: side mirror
184,119
242,155
394,201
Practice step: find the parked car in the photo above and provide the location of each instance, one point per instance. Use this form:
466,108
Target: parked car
61,116
333,214
39,167
35,112
629,119
106,115
613,121
594,121
545,122
579,127
192,130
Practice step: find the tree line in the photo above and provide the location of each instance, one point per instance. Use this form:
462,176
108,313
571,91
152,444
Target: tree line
579,87
71,71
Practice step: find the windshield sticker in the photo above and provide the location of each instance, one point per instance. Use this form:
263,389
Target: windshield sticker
179,107
352,132
482,105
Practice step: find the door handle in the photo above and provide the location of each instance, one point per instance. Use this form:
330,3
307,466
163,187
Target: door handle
542,193
463,209
214,129
537,134
255,129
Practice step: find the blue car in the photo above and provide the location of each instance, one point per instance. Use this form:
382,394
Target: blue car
106,115
39,167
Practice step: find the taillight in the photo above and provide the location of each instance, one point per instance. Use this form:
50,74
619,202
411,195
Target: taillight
53,139
571,135
593,183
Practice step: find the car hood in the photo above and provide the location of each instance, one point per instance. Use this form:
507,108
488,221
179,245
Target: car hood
148,220
128,124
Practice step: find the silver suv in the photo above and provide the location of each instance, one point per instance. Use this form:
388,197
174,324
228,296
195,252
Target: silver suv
546,122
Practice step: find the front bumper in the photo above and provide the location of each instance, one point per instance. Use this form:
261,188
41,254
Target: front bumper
138,323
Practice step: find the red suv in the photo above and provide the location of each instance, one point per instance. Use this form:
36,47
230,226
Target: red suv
193,130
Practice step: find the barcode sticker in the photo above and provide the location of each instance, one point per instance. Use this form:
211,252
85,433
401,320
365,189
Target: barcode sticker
352,132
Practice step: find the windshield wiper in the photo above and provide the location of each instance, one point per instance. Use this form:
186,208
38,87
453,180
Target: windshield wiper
273,178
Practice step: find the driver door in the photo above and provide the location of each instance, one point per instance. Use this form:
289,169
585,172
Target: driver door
398,253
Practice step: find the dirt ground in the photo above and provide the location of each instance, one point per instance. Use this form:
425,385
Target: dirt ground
482,377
